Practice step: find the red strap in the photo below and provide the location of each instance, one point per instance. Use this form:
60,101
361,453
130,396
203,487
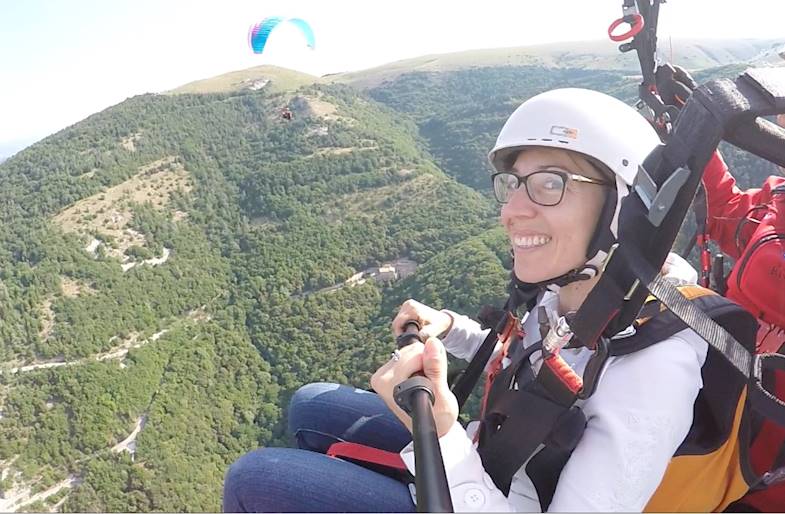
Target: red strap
496,364
566,375
636,23
356,451
771,338
705,258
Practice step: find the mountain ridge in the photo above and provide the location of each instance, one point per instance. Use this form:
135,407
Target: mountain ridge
693,54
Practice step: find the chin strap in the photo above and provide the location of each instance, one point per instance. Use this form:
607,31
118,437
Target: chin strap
525,291
586,272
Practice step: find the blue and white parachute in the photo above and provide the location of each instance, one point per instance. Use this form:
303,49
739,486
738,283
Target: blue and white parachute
259,32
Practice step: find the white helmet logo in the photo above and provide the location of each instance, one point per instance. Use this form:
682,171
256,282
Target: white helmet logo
557,130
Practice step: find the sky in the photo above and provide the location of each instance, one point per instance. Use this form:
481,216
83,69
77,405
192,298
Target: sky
62,60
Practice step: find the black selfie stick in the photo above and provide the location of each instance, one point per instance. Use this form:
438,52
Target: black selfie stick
415,396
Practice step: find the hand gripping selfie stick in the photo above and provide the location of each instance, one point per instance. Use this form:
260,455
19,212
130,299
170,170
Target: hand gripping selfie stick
415,396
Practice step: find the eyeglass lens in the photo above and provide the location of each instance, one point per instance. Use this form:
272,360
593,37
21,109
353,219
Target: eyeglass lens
543,187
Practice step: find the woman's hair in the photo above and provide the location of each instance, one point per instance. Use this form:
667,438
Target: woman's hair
605,171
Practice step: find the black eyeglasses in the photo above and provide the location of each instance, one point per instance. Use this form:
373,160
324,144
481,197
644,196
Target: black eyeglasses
545,187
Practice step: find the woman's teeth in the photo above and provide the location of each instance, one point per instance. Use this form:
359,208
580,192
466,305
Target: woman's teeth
530,241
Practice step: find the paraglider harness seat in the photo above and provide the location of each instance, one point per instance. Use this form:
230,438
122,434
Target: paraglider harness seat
544,402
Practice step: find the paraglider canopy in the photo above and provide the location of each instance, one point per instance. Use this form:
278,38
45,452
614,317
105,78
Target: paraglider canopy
260,32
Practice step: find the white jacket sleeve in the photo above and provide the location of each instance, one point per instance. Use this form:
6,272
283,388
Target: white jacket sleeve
637,418
465,337
471,488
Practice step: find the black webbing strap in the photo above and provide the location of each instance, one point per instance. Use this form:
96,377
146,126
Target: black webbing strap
462,387
495,319
762,400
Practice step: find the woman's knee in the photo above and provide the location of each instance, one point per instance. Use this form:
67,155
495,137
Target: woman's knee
253,463
261,480
308,392
244,475
303,409
288,480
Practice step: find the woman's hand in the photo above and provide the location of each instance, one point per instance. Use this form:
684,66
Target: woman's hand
430,359
434,323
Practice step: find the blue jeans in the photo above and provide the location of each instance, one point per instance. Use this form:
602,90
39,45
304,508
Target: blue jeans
306,480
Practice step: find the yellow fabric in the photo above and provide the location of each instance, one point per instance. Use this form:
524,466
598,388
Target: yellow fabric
689,292
703,483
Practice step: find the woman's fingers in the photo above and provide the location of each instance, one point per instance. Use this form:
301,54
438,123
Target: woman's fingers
408,311
440,324
434,362
432,322
445,405
393,372
431,360
409,361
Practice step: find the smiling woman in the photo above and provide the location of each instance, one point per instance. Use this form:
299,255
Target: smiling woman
538,229
596,143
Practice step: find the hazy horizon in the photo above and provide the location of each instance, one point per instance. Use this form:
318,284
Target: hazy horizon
65,61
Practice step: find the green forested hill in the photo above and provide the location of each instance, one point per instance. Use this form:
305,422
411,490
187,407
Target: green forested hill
174,267
460,112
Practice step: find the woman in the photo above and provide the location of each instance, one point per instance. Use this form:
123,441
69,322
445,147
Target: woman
564,160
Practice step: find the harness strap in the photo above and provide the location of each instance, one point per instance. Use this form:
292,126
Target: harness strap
750,366
363,453
503,447
559,379
656,322
497,320
496,365
500,321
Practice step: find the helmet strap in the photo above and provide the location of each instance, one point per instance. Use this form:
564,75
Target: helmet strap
603,238
528,289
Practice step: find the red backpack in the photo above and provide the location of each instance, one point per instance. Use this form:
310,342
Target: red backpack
757,281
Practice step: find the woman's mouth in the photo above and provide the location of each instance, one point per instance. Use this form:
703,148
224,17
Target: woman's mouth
529,242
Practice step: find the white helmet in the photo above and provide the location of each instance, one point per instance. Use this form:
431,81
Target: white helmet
591,123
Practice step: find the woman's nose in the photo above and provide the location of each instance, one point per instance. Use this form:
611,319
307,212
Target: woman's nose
519,205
